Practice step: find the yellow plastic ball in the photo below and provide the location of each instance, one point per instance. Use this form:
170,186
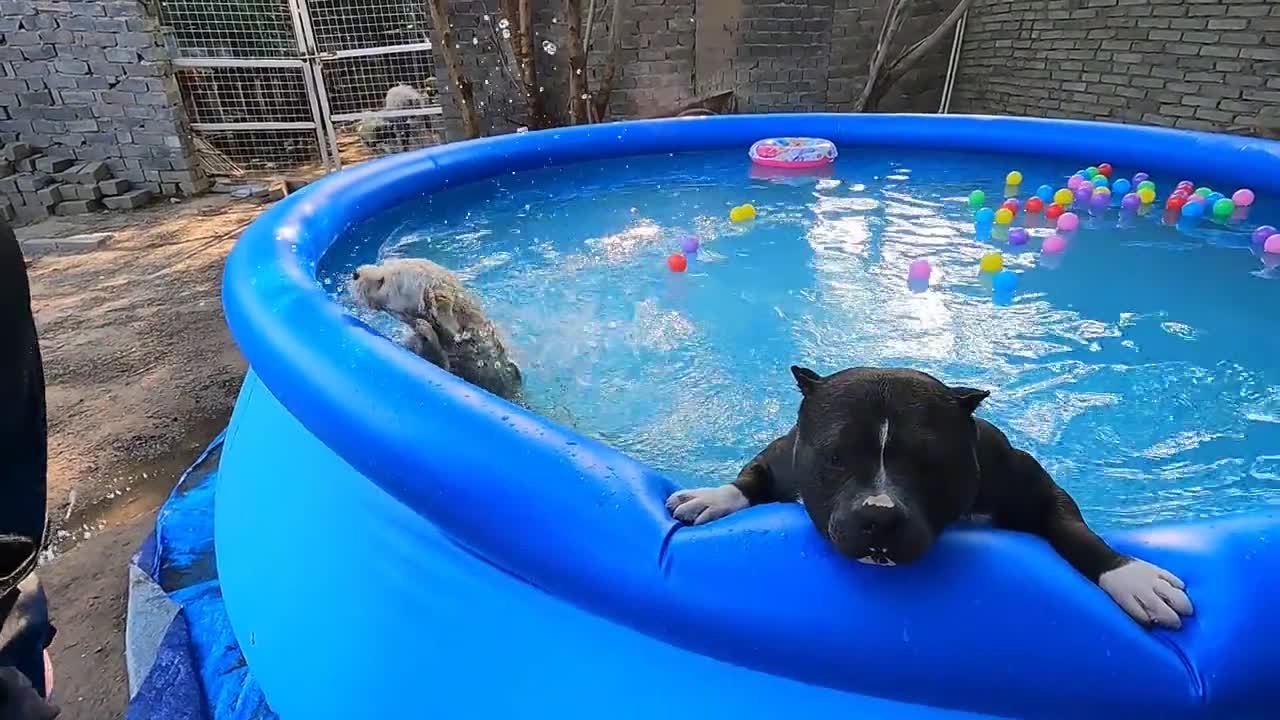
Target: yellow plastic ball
742,213
1004,216
1147,196
991,262
1013,178
1063,197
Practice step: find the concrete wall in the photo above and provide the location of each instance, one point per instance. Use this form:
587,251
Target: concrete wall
80,82
1195,64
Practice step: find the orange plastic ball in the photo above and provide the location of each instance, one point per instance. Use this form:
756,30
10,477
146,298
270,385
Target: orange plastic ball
677,262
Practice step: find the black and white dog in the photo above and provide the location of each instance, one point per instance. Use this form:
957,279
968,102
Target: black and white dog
885,459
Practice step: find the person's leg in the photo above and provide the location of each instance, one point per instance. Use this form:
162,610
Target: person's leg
25,633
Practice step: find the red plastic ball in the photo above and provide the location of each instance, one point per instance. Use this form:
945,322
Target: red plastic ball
1011,205
1105,169
1035,205
677,262
1175,202
1054,211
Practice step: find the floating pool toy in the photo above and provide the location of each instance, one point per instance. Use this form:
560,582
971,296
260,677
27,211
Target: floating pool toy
1130,201
1263,232
1087,185
1035,204
985,216
1272,245
1193,209
1005,281
919,270
1004,216
1045,193
1068,222
1175,202
1121,187
1105,170
1214,197
1053,245
991,262
1082,195
1099,201
1054,211
1146,195
677,262
1064,196
1243,197
1204,192
1223,207
1074,181
1091,171
742,213
1018,236
1010,204
796,153
1014,178
977,198
1141,177
689,244
1147,185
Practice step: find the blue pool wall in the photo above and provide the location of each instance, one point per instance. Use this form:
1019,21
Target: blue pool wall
360,485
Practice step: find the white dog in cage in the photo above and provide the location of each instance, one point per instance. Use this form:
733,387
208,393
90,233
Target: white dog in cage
397,133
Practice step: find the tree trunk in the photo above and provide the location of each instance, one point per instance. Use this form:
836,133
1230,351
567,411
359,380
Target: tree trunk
519,13
463,93
893,17
577,63
909,57
611,62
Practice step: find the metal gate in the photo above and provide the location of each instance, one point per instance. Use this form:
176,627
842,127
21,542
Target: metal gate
299,85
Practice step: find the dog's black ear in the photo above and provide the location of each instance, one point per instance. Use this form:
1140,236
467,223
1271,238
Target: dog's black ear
969,398
806,379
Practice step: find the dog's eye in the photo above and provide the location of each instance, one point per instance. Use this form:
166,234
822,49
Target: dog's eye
833,459
380,281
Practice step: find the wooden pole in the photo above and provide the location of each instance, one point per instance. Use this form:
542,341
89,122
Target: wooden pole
464,95
577,64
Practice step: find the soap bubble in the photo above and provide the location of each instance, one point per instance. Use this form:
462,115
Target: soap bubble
504,23
549,47
506,33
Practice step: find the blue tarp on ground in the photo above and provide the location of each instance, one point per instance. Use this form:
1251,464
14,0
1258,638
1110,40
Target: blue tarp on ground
183,661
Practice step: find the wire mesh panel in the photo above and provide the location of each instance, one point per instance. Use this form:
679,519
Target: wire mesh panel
245,94
230,28
339,25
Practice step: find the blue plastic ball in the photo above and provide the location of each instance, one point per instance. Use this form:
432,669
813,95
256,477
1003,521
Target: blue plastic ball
1100,181
1045,193
985,216
1121,187
1004,281
1213,198
1193,210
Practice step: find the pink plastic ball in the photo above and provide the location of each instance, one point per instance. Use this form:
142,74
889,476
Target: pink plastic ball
919,270
1242,197
1053,245
1074,181
1086,185
1068,222
1272,245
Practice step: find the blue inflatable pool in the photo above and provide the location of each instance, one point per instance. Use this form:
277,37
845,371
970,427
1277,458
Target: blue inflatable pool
395,543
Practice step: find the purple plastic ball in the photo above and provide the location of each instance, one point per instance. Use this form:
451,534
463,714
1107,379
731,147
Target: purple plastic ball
1100,201
1018,236
689,244
1083,196
1262,233
1130,202
1140,177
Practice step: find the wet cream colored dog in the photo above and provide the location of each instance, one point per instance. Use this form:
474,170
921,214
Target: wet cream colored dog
450,329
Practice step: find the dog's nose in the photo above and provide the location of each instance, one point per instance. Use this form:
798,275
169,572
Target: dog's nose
878,520
355,275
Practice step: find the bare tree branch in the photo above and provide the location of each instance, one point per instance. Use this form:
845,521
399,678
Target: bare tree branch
465,95
577,63
519,15
912,55
611,62
894,15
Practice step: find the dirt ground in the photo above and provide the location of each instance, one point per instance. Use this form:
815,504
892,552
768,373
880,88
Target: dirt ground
141,374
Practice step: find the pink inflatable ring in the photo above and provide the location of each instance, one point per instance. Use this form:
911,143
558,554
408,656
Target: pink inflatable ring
793,152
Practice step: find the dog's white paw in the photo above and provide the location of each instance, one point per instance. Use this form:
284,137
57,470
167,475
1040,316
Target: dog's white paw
695,507
1151,595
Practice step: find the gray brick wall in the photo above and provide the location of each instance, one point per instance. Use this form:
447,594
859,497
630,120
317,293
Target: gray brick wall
1195,64
89,81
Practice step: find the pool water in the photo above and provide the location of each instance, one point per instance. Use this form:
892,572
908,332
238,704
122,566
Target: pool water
1141,366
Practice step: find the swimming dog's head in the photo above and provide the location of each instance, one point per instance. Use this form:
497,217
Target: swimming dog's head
885,459
409,288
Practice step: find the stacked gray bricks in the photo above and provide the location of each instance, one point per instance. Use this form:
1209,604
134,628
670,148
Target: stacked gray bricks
36,186
1195,64
85,82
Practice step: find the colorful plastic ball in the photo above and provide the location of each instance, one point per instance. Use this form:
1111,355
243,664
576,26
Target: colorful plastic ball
1105,169
1223,207
1213,197
1272,244
1100,201
1045,193
1193,210
1193,198
1053,245
1243,197
919,270
1004,281
1091,171
1146,195
1121,187
1054,211
1018,236
976,199
1013,178
991,262
1100,182
1035,204
985,216
1147,185
742,213
1263,232
677,262
689,244
1086,185
1186,183
1074,181
1068,222
1063,197
1011,204
1175,202
1130,201
1102,191
1204,192
1004,216
1140,178
1082,195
